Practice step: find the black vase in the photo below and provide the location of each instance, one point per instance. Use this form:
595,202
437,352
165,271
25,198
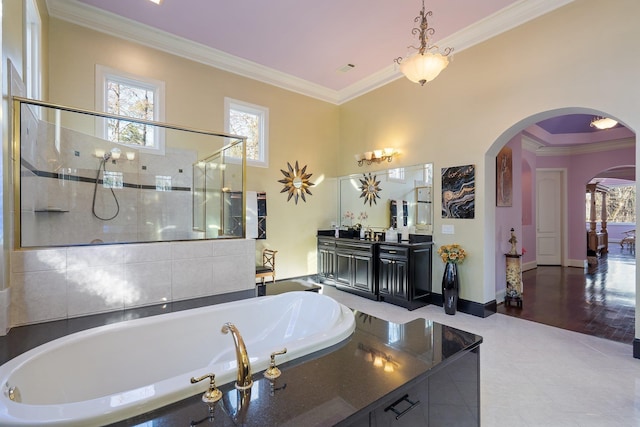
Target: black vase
450,288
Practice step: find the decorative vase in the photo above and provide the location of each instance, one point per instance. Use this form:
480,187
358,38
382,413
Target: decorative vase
450,288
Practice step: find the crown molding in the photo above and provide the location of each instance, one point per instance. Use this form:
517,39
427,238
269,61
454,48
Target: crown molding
599,147
530,144
106,22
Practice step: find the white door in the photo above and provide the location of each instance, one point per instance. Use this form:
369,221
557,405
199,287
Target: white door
549,201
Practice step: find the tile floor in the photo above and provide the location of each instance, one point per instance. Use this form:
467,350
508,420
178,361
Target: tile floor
534,375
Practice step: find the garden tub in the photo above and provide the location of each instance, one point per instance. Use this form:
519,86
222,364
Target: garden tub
110,373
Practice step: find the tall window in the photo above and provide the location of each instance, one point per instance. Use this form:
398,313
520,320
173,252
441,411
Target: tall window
252,121
131,96
32,29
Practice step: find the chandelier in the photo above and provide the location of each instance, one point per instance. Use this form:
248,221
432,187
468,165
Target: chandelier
424,65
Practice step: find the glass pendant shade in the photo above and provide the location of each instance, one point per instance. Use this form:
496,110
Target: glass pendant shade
422,68
603,123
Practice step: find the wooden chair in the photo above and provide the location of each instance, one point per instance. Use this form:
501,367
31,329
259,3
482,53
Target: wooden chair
268,267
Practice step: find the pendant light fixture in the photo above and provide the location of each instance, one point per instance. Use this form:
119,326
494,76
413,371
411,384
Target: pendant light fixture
424,65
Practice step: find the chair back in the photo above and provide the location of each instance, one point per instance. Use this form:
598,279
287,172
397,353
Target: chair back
269,258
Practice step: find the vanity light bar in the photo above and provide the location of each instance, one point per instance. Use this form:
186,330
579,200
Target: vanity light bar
376,156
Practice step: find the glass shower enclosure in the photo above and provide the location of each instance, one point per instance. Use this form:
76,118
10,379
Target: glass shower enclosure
78,183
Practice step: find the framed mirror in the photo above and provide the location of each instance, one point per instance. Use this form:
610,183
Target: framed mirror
404,199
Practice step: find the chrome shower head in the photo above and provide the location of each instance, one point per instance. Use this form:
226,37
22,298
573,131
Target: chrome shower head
106,156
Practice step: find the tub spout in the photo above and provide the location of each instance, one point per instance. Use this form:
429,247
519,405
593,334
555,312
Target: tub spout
244,380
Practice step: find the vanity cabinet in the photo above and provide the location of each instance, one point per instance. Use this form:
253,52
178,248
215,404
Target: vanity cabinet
354,267
404,274
397,273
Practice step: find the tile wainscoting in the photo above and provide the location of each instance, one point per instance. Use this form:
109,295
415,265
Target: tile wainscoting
60,283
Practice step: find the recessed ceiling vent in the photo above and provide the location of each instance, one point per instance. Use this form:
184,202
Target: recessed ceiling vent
346,68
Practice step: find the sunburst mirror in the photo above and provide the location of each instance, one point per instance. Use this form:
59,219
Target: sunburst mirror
296,182
370,188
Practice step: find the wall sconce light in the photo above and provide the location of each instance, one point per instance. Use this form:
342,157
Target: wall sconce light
115,153
131,155
376,156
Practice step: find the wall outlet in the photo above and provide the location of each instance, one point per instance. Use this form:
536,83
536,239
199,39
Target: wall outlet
448,229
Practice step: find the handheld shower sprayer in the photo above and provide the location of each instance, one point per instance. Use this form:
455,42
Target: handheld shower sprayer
103,168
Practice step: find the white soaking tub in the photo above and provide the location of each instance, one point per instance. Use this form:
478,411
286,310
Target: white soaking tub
114,372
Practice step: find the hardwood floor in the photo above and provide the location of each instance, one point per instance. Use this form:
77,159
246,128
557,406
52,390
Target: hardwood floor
599,301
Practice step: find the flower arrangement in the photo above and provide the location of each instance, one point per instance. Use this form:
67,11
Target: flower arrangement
362,217
452,253
350,216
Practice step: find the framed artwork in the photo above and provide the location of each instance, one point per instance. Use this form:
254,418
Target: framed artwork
504,177
458,192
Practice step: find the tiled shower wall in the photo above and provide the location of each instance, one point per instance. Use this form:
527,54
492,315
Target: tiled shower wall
58,183
53,284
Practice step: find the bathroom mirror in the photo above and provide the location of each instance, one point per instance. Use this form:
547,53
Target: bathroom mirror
404,199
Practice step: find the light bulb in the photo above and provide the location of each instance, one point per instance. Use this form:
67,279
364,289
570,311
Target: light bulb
377,362
115,153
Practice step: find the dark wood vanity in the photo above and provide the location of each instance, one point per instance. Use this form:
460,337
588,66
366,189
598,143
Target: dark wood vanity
398,273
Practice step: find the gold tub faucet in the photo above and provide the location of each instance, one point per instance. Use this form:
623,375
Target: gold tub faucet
244,379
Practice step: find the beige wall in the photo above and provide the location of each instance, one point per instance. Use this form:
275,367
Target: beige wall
578,56
300,128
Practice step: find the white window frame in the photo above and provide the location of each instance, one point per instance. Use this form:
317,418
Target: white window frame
263,114
33,48
103,74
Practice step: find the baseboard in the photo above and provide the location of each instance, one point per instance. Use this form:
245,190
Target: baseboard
470,307
578,263
529,265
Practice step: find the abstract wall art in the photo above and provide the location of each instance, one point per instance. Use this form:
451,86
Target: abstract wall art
504,177
458,192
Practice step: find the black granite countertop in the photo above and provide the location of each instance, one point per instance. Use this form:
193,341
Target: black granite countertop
413,242
334,387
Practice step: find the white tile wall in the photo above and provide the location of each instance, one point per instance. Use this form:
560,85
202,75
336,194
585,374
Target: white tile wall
52,284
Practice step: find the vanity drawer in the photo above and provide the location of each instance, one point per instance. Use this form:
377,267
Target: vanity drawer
389,251
326,243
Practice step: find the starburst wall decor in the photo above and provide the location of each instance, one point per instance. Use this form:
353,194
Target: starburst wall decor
296,182
370,188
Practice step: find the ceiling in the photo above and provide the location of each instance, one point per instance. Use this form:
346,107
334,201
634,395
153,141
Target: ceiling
302,45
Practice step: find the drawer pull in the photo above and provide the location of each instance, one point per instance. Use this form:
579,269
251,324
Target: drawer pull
399,414
393,252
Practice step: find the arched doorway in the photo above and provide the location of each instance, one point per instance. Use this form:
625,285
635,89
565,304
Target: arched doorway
535,146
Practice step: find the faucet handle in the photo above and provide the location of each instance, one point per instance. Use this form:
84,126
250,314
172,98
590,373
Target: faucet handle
213,394
273,372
